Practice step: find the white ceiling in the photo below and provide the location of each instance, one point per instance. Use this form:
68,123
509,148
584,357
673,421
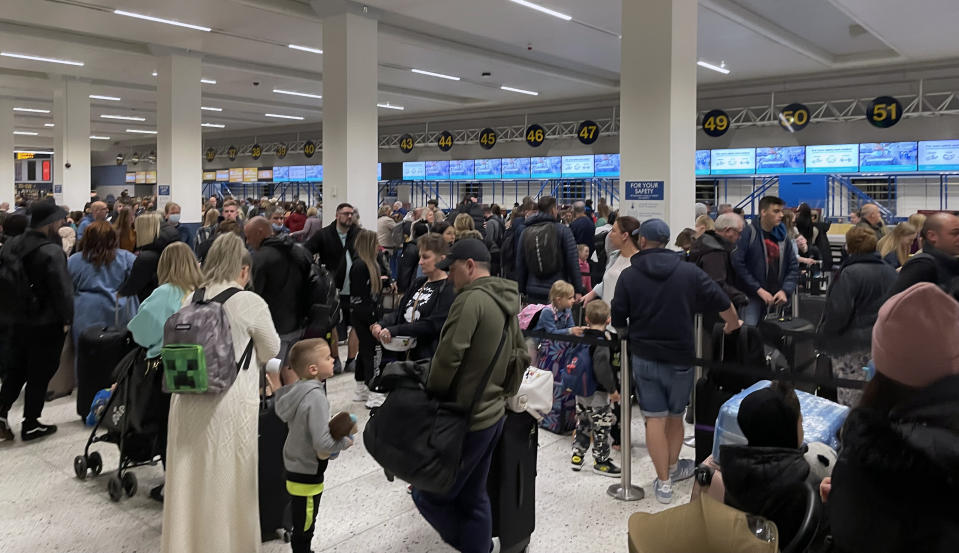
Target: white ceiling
565,61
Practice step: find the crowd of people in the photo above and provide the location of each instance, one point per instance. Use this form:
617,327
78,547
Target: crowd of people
425,284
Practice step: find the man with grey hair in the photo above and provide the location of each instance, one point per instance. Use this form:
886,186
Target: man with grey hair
584,230
701,210
871,218
725,208
711,252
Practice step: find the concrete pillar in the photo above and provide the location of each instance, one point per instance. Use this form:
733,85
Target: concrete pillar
179,138
658,107
8,189
71,144
350,131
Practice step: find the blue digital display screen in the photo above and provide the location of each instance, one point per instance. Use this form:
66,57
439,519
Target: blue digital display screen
888,156
516,168
314,173
281,174
461,169
489,169
414,170
546,167
939,155
606,165
379,171
577,166
297,173
832,158
738,161
778,161
702,162
437,170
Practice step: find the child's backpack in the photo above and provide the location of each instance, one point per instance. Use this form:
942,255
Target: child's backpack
529,316
198,347
578,377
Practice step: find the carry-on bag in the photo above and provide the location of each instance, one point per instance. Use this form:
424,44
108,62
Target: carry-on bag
276,520
512,482
99,350
795,338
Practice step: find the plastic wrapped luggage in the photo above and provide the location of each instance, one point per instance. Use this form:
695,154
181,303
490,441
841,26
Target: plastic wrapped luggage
822,419
512,482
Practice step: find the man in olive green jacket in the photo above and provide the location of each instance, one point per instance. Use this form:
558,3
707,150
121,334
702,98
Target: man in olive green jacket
484,309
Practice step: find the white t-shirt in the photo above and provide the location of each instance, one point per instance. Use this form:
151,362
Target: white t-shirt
607,288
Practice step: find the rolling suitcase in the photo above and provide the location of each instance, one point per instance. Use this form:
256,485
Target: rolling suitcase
512,482
795,339
99,350
276,520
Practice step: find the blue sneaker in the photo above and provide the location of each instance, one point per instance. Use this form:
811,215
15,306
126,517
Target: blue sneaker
663,491
684,470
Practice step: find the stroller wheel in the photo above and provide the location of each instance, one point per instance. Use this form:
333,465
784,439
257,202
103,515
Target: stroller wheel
130,484
115,488
80,467
95,462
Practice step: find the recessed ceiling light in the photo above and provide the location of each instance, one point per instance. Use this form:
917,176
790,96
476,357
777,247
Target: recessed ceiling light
721,68
98,97
161,20
40,58
138,131
306,48
154,73
542,9
206,108
95,137
387,105
49,125
295,93
207,81
32,110
519,90
26,133
123,117
432,74
213,125
279,116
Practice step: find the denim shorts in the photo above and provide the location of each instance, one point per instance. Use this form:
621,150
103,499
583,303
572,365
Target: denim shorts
663,389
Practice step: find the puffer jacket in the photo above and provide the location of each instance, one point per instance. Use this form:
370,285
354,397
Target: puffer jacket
711,253
538,288
852,304
143,277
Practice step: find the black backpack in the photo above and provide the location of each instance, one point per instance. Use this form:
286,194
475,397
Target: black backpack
17,292
541,249
599,246
508,252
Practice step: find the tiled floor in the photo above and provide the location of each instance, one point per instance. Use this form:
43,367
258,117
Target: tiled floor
44,507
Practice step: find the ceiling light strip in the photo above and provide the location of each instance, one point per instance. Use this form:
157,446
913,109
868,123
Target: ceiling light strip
26,133
95,137
213,125
123,117
295,93
390,106
717,68
542,9
433,74
139,131
161,20
519,90
207,81
32,110
110,98
49,125
41,58
207,108
280,116
306,49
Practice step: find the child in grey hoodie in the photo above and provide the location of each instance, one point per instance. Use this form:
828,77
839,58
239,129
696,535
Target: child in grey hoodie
304,408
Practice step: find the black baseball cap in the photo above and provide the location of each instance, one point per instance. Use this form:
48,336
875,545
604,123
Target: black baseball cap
468,248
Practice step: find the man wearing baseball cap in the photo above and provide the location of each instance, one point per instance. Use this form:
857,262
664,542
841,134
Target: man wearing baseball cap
36,293
656,298
483,315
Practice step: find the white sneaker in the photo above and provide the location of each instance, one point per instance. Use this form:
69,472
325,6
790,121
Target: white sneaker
362,392
376,400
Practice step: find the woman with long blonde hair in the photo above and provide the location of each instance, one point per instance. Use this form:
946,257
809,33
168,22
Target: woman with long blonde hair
894,247
917,220
367,279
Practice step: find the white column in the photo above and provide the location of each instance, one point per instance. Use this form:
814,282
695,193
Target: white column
8,189
71,145
350,116
179,138
658,106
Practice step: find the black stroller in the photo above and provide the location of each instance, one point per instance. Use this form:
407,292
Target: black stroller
134,418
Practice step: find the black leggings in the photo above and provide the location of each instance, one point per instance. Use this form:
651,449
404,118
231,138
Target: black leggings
364,315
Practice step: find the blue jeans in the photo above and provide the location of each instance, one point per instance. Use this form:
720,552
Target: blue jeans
463,516
663,389
755,311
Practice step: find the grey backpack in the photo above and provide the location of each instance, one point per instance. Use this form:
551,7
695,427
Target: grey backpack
197,350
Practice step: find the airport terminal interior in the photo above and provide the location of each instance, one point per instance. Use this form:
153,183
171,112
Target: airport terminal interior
156,149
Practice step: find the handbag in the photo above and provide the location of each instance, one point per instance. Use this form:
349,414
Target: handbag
420,438
535,395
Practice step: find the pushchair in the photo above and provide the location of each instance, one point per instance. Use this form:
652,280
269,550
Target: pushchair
135,418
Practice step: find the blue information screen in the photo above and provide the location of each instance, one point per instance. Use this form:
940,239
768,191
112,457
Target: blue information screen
546,167
461,169
437,170
281,174
778,161
606,165
939,155
489,169
832,158
702,162
516,168
414,170
379,171
297,173
738,161
888,156
577,167
314,173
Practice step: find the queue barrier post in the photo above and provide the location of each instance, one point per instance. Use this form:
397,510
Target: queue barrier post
625,490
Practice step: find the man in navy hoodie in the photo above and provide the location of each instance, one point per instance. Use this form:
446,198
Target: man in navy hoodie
656,297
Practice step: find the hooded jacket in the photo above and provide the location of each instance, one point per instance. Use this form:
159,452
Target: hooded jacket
852,304
749,261
306,411
46,268
143,277
538,288
475,211
331,250
658,295
280,269
711,253
932,265
897,477
473,329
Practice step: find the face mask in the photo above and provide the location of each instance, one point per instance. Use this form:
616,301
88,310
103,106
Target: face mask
174,218
276,227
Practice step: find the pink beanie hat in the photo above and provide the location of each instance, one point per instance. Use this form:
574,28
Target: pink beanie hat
916,338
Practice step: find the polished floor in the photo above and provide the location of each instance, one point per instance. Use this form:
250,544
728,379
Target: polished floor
44,507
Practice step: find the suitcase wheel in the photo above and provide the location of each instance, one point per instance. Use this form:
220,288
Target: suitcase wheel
129,481
95,462
284,534
115,488
80,467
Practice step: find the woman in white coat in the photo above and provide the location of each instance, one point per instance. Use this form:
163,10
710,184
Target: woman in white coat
210,500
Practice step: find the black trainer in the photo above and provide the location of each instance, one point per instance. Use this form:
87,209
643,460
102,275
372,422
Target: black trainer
31,430
6,433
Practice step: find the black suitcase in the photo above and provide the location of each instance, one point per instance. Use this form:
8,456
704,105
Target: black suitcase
795,339
710,397
811,307
99,350
512,482
276,521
